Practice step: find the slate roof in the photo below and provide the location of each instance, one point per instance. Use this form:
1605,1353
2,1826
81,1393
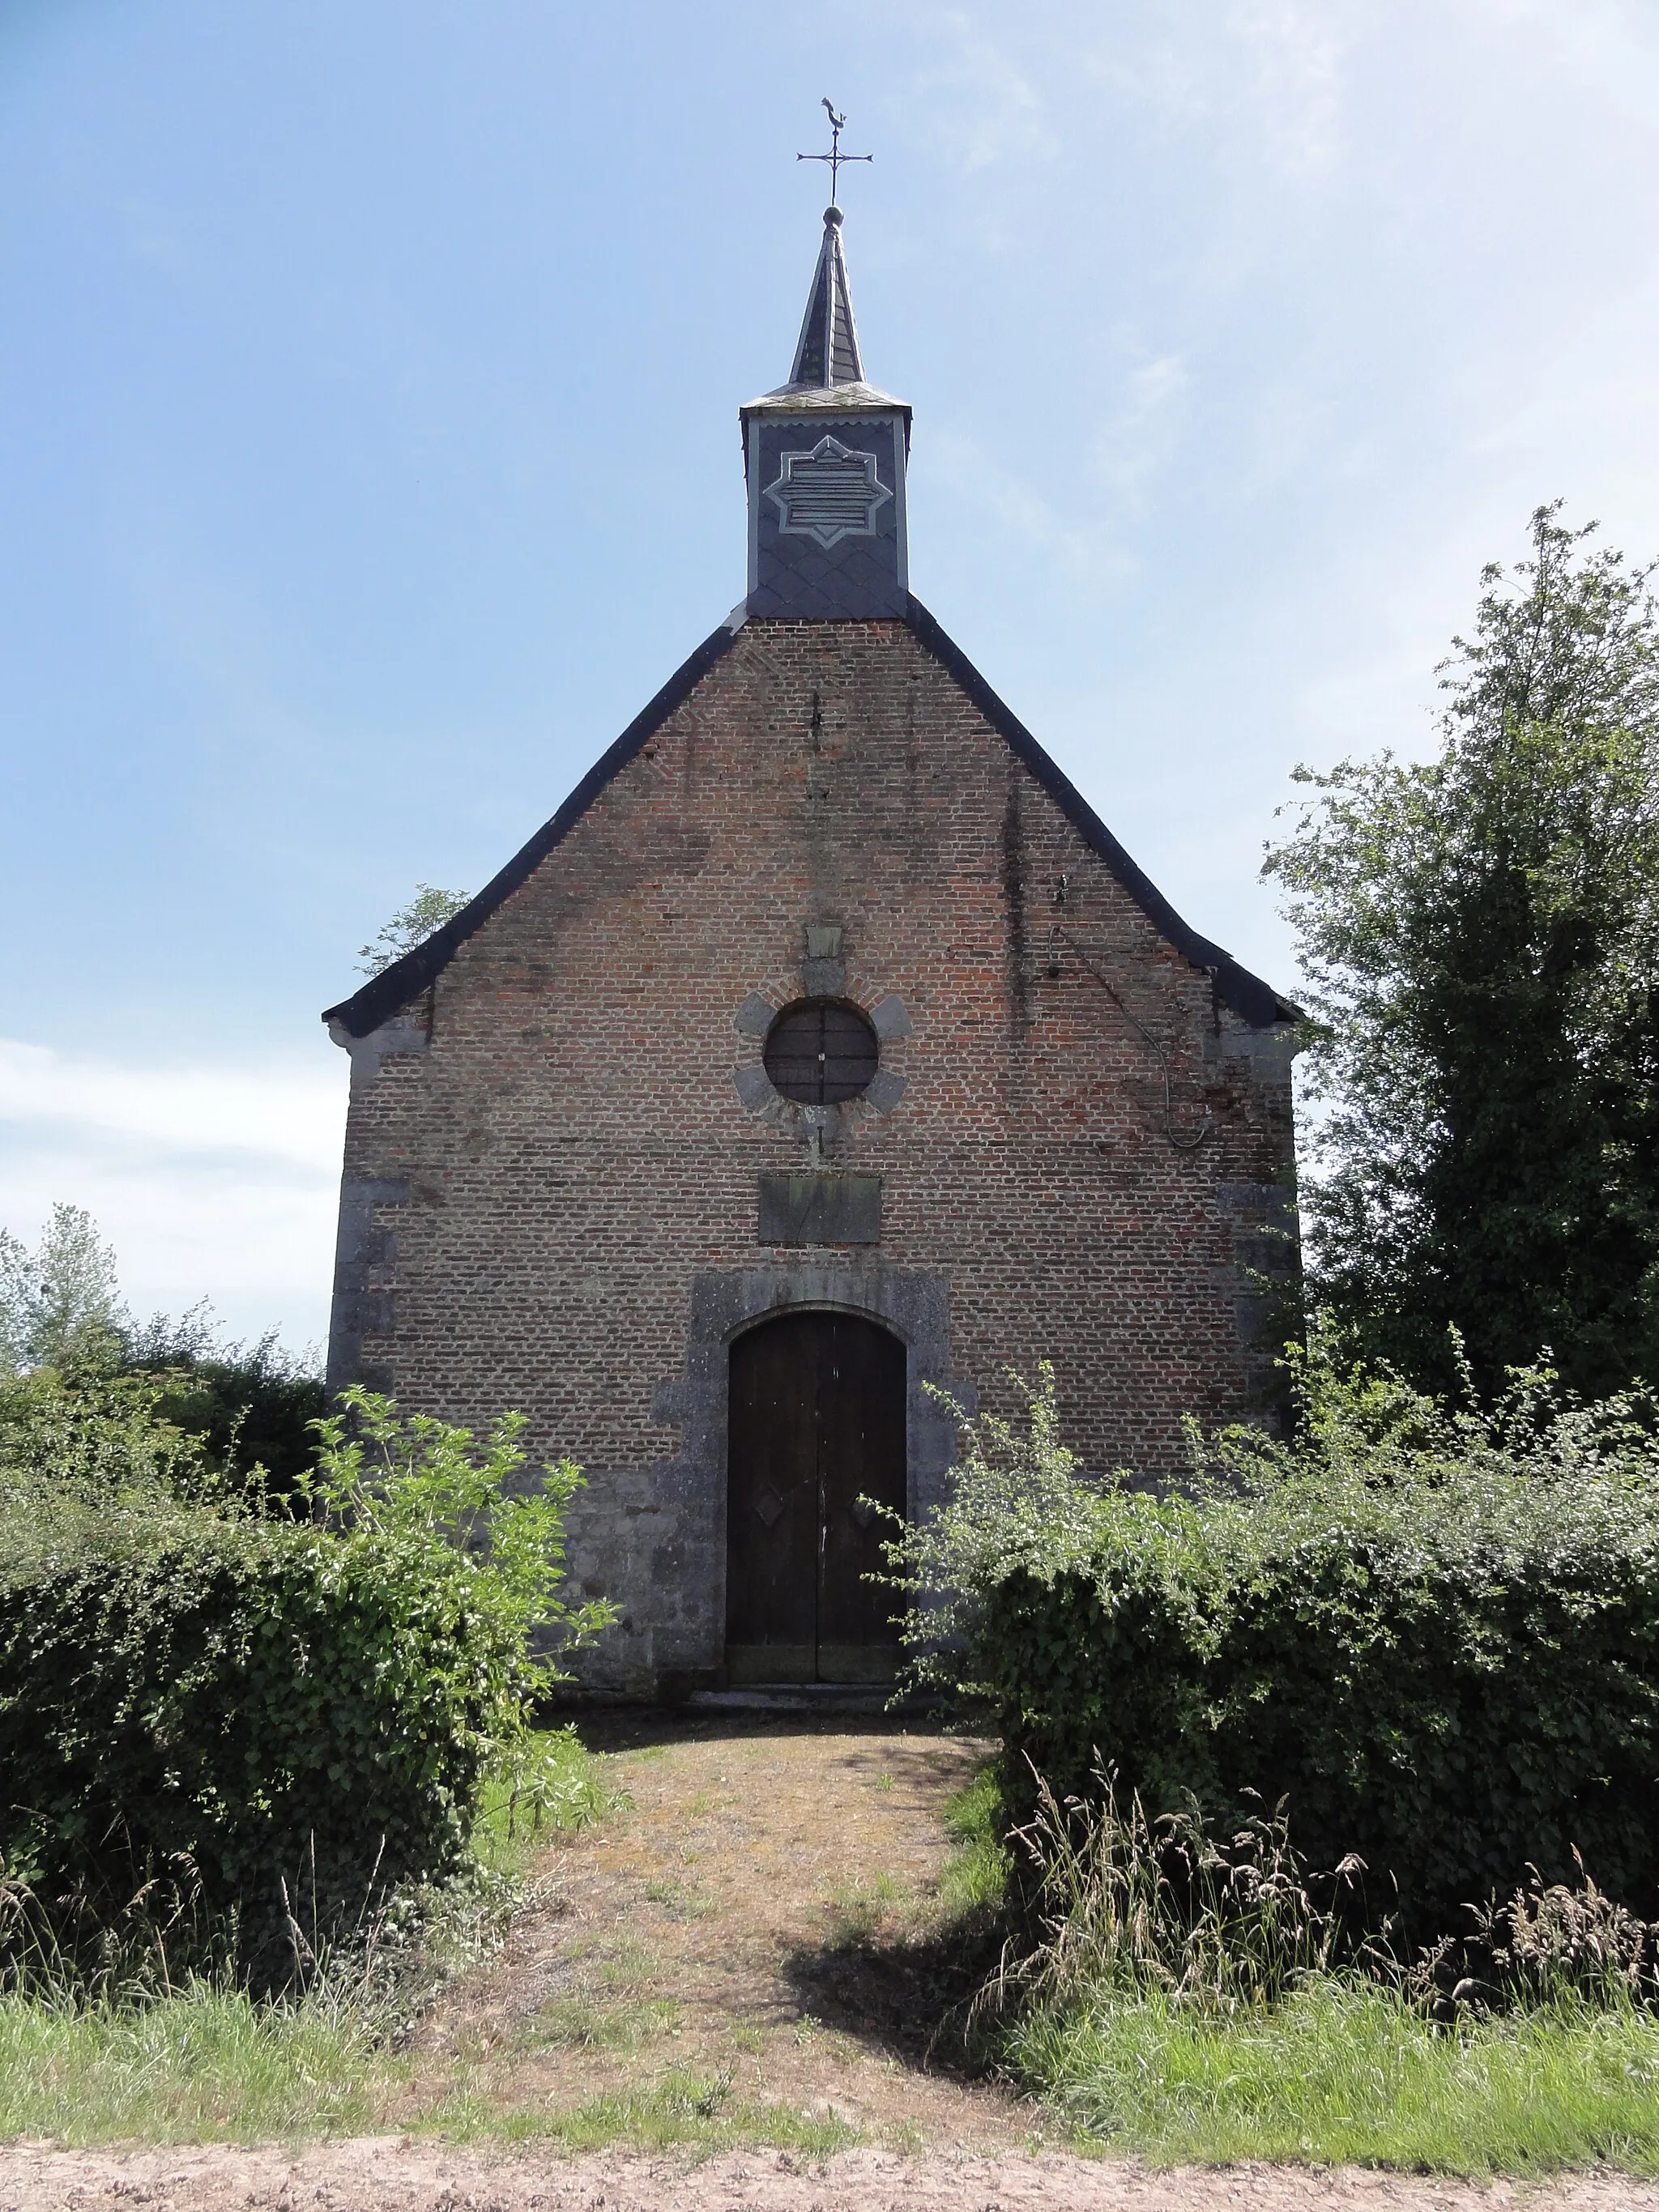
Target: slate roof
383,995
826,399
827,351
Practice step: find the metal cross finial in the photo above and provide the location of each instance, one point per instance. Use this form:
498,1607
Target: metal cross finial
835,156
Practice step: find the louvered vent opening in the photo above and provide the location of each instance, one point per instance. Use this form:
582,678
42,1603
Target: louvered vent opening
829,494
820,1051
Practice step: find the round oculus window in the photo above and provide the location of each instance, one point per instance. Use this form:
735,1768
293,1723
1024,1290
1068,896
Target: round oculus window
820,1051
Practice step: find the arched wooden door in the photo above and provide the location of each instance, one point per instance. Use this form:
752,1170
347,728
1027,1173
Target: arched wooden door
815,1423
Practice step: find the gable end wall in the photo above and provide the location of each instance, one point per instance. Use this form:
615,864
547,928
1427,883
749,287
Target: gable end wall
554,1150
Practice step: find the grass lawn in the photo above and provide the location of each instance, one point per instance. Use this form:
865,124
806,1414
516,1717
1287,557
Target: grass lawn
204,2065
1346,2075
209,2063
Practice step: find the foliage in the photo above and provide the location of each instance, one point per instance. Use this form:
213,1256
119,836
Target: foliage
202,1704
411,925
254,1408
59,1302
974,1879
542,1782
1482,934
1432,1631
95,1432
1200,1994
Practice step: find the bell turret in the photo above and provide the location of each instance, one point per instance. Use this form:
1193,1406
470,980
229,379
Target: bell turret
825,457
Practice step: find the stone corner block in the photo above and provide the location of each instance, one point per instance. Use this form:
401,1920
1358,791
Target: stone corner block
754,1087
755,1015
889,1017
885,1090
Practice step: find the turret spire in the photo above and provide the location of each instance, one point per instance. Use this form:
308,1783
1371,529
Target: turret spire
827,351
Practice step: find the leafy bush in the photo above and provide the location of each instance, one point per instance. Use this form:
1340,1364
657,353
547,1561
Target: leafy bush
192,1694
1433,1632
254,1406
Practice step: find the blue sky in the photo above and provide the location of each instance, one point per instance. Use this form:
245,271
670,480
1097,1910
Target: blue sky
369,457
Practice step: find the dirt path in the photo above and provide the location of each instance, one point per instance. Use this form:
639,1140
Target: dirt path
759,1919
391,2174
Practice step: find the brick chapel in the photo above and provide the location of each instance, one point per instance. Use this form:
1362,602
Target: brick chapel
824,1045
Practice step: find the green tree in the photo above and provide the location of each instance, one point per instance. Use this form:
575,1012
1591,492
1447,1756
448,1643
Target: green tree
411,925
1482,934
60,1303
252,1405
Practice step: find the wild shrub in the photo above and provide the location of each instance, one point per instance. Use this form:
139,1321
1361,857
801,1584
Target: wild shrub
199,1703
1433,1632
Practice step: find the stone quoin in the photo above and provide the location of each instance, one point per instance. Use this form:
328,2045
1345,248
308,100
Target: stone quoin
824,1046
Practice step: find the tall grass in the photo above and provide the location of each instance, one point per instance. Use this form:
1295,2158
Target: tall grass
1190,1996
1165,1908
209,2063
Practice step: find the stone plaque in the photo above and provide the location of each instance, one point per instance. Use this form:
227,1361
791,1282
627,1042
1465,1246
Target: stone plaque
820,1209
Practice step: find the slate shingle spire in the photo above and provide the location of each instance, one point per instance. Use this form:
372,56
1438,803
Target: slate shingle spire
828,349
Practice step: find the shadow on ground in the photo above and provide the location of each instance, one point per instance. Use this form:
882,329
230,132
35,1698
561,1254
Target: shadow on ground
909,1996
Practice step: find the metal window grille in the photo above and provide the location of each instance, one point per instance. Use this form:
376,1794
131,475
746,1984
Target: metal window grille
820,1051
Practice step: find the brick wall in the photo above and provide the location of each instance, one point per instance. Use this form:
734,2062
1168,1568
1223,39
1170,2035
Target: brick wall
555,1166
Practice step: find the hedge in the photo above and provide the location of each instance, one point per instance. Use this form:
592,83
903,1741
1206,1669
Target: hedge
270,1698
1434,1635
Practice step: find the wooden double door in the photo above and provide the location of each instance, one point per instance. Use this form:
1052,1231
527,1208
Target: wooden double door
817,1427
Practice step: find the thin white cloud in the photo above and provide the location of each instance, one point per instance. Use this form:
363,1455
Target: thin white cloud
1293,79
998,501
1270,75
984,108
1140,438
209,1180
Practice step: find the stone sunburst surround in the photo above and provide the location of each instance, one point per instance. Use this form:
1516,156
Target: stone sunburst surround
828,493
